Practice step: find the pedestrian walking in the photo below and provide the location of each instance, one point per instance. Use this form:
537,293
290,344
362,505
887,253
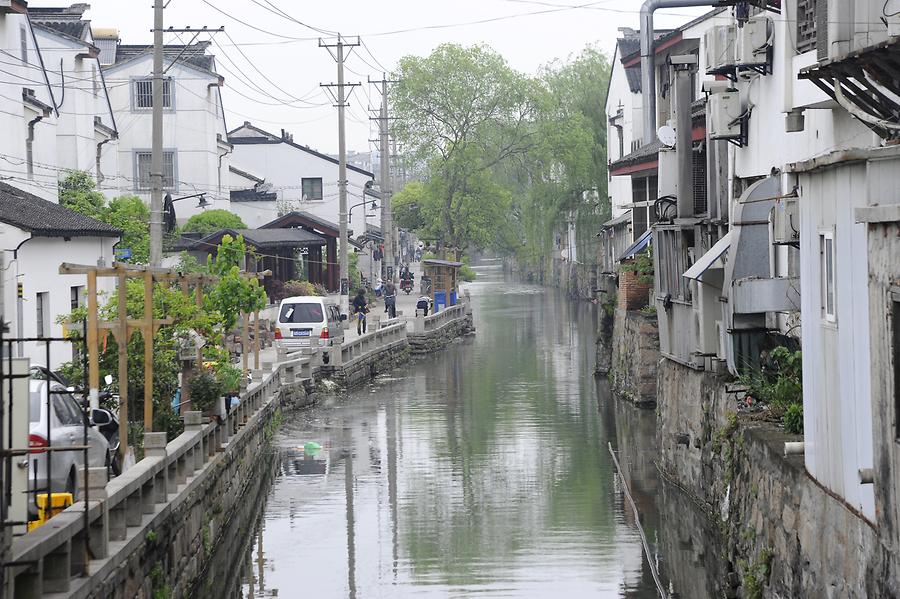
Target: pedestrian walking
390,299
360,307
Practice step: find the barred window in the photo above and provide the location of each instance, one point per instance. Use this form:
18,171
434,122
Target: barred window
700,195
806,25
142,162
142,93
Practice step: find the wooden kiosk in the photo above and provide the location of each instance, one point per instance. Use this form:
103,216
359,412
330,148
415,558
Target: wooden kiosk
444,277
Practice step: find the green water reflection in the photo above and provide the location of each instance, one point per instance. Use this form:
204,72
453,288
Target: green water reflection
482,469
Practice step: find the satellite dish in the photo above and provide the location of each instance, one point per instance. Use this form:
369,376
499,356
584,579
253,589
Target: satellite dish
666,135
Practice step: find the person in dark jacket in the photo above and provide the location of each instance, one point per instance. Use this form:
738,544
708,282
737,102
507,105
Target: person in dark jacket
360,307
390,299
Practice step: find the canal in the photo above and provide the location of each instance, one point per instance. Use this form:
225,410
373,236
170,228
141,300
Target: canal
480,470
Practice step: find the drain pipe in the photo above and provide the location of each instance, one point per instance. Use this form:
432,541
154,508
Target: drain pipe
648,58
29,143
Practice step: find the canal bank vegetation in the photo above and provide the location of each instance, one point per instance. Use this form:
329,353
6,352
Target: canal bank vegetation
504,160
224,300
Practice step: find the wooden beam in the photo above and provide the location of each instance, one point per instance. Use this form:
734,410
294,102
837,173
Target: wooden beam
122,340
256,340
148,351
93,345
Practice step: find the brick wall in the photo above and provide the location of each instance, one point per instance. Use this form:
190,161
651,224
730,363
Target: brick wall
633,293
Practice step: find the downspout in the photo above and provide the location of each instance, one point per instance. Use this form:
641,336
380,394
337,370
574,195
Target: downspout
648,59
100,176
221,156
29,143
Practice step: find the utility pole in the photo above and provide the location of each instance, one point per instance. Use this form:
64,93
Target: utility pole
341,103
156,159
385,184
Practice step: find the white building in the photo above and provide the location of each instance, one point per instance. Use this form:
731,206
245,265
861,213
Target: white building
37,235
86,136
296,178
196,153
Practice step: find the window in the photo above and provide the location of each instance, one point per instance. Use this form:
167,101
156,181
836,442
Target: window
142,162
42,314
826,250
142,93
301,313
76,295
23,39
66,409
699,171
312,189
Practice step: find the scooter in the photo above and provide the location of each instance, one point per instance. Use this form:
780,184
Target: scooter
406,286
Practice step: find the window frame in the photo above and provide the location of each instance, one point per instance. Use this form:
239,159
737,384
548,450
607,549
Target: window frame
42,313
168,86
23,44
827,267
303,194
136,153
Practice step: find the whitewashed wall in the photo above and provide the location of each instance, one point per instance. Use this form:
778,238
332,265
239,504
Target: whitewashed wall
284,166
37,265
191,129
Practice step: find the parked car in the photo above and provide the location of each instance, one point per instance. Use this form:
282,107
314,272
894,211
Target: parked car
66,428
307,322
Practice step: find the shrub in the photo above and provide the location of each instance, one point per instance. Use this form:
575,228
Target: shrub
292,288
229,378
205,390
466,273
793,419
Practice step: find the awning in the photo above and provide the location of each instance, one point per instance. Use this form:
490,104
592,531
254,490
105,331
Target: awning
638,246
710,259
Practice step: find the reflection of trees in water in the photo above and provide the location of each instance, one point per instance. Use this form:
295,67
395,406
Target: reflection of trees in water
520,455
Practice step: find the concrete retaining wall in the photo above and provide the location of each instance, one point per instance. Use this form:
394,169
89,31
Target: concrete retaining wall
635,355
784,534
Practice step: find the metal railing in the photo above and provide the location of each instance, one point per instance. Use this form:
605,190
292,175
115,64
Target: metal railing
45,560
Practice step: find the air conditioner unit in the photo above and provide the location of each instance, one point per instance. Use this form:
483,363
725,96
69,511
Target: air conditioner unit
785,222
720,49
667,181
724,116
753,42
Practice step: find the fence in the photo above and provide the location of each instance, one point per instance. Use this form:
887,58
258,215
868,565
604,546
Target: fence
50,559
364,345
438,320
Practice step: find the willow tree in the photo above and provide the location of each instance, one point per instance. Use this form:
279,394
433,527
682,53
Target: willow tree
462,111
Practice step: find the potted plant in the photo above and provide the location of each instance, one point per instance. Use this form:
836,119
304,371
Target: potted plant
205,391
229,379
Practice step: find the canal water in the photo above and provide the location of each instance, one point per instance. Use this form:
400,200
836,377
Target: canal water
480,470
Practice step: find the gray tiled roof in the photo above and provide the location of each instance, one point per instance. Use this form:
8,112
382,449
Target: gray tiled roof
257,238
46,219
645,153
195,54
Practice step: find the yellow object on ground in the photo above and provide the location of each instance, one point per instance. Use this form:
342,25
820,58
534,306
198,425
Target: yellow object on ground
58,502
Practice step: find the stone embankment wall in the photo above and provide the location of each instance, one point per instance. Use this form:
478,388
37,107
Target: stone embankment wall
784,534
170,556
426,343
635,355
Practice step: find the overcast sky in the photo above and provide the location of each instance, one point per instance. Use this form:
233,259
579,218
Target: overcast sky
298,66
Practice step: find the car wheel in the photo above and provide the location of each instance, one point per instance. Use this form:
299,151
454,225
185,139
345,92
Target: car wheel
70,484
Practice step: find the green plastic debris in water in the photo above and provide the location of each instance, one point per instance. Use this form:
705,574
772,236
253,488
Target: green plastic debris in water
311,448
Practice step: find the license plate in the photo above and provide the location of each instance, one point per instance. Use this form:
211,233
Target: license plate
300,332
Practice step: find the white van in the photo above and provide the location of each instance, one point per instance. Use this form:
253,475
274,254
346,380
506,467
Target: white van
309,321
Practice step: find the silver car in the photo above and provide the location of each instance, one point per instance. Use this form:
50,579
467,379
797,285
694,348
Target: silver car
66,429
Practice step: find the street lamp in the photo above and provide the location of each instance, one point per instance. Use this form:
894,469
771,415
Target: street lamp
350,213
169,208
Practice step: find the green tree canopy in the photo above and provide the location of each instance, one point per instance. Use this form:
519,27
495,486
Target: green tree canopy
132,215
210,221
77,192
464,111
